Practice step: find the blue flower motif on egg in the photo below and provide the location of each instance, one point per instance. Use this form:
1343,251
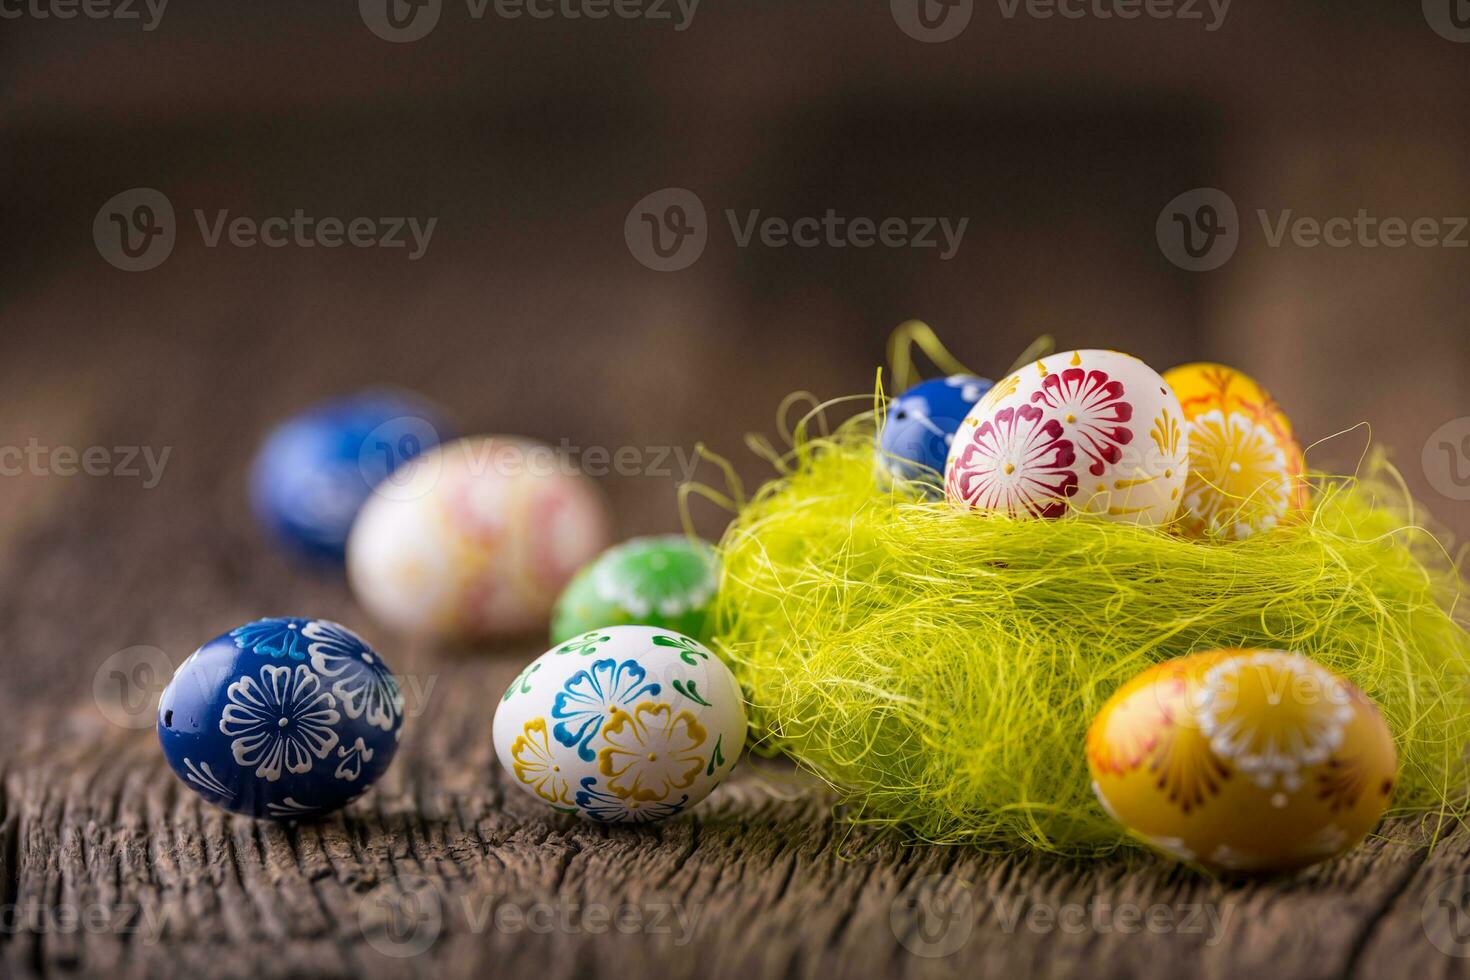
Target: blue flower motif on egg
273,637
584,702
281,718
608,807
920,425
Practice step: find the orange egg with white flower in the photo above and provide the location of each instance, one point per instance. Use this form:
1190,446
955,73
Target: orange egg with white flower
1242,760
1246,469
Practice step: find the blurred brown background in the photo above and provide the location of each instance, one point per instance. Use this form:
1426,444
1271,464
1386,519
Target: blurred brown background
1061,140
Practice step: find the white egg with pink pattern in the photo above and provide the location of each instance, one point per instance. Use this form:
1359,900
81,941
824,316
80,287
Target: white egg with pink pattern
1091,431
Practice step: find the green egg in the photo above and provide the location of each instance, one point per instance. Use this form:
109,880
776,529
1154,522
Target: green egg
666,581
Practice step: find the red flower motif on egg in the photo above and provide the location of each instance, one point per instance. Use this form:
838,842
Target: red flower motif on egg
1016,461
1093,405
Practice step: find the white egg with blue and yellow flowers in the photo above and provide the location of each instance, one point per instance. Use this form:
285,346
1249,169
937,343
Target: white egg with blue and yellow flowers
920,425
625,724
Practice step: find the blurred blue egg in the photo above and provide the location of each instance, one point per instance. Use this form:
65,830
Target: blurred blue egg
921,424
281,718
314,472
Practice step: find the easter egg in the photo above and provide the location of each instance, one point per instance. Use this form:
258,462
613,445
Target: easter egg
627,724
281,718
1088,430
475,539
315,470
666,581
1242,760
1246,470
920,425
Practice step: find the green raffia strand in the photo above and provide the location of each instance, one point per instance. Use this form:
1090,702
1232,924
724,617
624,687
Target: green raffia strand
940,668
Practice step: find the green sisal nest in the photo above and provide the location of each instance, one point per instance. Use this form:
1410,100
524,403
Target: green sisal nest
940,668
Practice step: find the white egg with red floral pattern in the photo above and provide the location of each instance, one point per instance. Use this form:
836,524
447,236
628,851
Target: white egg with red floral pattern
1086,430
625,724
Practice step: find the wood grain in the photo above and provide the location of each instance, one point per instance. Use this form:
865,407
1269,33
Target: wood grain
448,870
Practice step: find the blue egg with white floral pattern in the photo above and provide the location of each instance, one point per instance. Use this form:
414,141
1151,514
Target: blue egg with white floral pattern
285,718
920,424
314,471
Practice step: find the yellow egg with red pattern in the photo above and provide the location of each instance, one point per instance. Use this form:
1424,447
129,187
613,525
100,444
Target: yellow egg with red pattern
1246,469
1242,760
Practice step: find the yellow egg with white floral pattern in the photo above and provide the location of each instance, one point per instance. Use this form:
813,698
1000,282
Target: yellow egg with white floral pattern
1242,760
1246,469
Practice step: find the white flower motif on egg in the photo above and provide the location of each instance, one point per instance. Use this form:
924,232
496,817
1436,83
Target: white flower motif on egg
279,721
1249,484
1089,430
1303,732
370,691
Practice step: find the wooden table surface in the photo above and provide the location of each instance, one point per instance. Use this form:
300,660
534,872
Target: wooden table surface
109,866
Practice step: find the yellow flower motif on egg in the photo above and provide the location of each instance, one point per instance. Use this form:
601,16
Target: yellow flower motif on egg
537,767
1239,480
1309,709
1247,472
651,751
1154,729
